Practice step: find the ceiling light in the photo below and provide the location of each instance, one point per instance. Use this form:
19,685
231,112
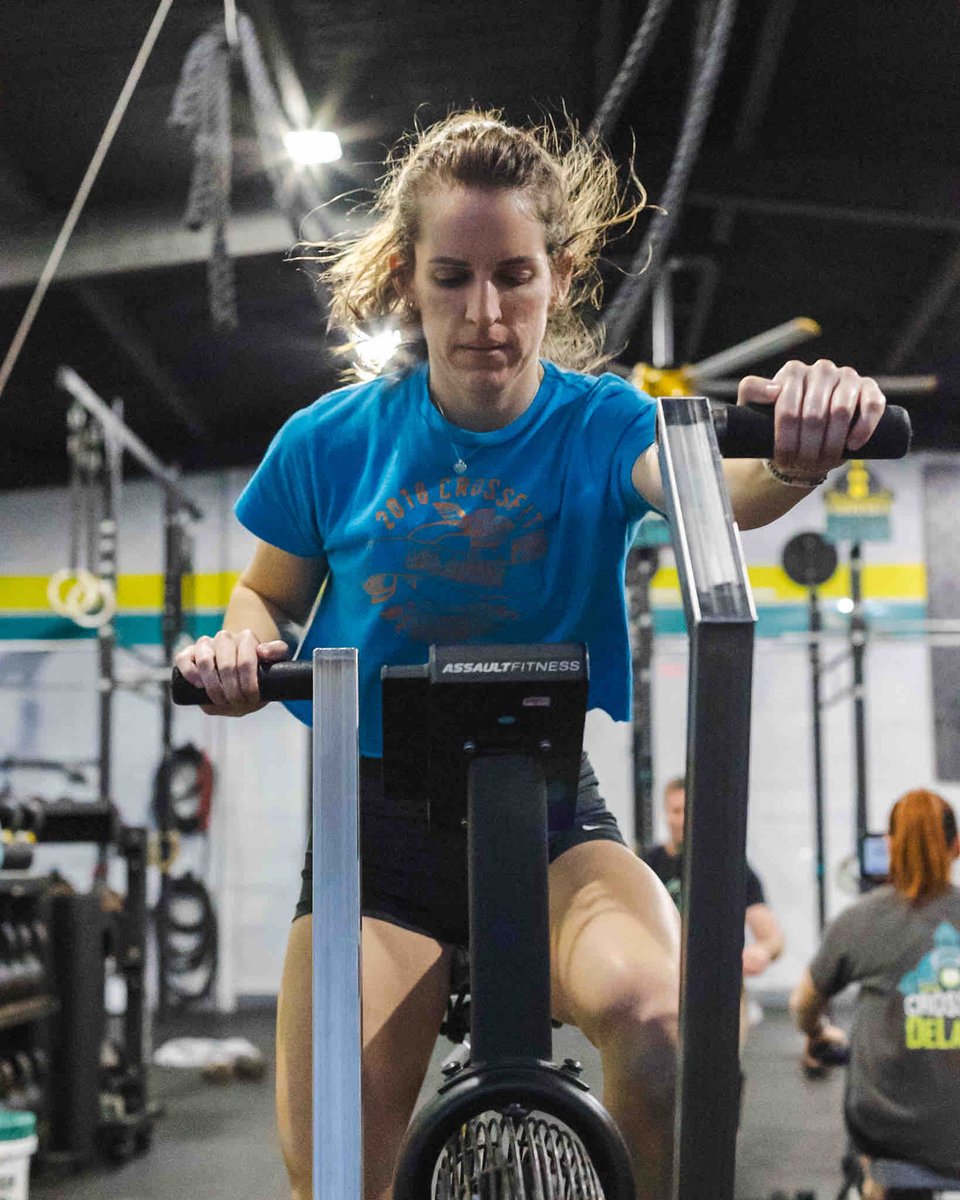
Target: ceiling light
310,146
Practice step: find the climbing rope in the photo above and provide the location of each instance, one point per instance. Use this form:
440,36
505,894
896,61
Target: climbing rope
626,77
201,105
625,308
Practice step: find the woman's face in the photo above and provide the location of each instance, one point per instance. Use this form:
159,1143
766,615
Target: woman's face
482,284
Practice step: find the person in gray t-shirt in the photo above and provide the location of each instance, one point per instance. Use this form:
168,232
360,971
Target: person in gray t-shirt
901,943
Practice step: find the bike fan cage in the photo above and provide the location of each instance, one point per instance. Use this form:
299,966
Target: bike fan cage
515,1155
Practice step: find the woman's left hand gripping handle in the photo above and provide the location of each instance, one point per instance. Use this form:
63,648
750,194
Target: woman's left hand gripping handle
225,667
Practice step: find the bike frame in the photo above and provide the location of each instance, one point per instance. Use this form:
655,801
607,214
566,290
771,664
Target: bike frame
337,1113
720,619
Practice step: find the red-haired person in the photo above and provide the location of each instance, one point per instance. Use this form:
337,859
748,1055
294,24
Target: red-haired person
901,944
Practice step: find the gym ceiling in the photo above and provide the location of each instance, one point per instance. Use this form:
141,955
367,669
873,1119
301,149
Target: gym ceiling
827,187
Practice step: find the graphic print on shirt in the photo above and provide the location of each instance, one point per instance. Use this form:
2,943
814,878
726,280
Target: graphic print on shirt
452,559
931,995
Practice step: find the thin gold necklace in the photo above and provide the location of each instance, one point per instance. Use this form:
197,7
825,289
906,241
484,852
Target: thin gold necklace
460,464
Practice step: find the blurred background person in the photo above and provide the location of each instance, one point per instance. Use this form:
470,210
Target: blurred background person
766,938
901,943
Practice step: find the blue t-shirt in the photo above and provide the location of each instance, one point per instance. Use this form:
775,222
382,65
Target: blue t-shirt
527,545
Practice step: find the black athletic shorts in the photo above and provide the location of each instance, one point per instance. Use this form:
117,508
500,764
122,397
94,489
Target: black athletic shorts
417,878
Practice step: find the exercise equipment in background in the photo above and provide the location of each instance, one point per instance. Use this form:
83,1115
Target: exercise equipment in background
186,929
179,512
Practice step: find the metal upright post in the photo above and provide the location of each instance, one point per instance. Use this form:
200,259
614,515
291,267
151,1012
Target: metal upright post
169,629
858,645
641,567
337,1113
720,619
816,626
810,560
107,571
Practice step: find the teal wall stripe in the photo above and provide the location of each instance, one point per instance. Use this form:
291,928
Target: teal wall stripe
144,628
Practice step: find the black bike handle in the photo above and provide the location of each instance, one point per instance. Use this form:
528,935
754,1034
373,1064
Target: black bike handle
746,431
278,681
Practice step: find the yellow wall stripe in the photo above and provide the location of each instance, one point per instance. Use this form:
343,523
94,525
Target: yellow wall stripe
881,581
28,593
771,585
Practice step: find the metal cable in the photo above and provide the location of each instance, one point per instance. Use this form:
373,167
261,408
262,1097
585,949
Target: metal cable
627,304
295,191
626,77
70,221
291,192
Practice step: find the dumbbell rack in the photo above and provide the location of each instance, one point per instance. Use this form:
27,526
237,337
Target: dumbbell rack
53,949
27,995
93,1107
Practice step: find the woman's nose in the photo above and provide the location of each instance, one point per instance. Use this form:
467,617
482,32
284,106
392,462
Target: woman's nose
483,303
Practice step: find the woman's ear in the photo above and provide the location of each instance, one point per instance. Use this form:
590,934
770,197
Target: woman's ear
402,280
562,270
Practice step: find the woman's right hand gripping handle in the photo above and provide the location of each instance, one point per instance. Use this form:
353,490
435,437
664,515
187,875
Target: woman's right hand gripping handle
225,667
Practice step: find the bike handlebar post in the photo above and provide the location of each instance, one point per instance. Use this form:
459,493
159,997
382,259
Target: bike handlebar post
720,618
337,1113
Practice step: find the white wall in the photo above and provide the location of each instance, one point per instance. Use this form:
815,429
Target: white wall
259,815
781,835
253,859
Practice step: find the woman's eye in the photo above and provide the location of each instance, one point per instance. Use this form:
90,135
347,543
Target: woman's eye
517,280
449,280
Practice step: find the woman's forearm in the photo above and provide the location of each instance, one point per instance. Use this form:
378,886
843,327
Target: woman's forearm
248,609
755,496
807,1006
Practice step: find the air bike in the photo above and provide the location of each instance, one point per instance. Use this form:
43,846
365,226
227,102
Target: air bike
486,737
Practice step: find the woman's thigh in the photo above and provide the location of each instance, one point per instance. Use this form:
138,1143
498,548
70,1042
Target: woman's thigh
614,938
405,985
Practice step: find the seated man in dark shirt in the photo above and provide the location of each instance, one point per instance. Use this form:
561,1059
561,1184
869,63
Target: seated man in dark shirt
667,861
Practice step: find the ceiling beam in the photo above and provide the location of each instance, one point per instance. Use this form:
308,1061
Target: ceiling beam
811,210
929,308
918,194
129,241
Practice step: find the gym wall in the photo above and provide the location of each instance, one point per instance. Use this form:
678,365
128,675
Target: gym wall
48,709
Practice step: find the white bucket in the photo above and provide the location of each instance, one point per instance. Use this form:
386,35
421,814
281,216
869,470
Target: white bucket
18,1143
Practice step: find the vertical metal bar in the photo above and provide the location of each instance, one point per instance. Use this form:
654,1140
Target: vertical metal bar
107,571
170,622
858,643
816,625
641,567
662,318
133,844
714,890
720,618
337,1114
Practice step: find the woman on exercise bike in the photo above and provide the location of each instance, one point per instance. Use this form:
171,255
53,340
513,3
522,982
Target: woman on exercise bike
488,490
901,943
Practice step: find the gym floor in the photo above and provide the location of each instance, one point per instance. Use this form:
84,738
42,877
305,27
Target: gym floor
218,1140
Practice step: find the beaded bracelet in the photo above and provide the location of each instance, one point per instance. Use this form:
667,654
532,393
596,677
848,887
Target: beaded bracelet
791,480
